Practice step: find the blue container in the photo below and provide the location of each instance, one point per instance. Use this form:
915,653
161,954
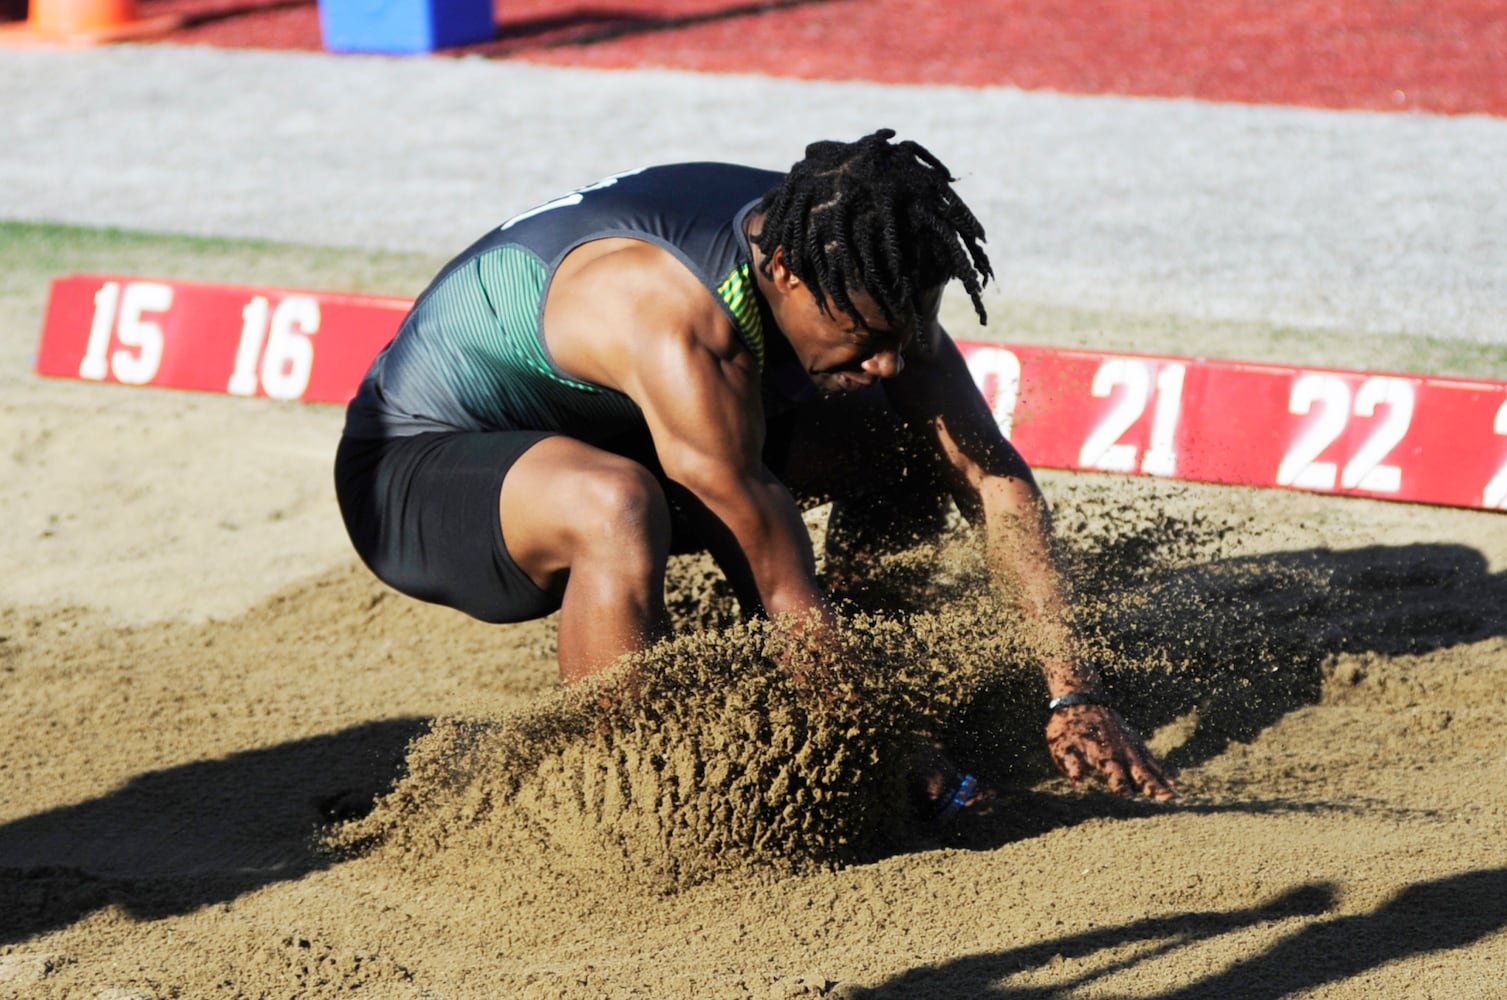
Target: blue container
404,26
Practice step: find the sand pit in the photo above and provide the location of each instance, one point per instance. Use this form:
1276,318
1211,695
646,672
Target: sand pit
204,693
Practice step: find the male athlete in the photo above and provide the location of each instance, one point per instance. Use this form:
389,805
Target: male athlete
670,357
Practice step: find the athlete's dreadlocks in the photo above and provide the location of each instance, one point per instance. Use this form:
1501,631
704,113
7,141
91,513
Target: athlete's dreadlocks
875,217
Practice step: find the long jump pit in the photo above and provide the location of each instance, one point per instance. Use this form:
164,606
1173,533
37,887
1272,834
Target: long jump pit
235,764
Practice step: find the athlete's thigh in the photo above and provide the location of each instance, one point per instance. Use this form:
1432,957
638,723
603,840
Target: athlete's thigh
422,513
564,495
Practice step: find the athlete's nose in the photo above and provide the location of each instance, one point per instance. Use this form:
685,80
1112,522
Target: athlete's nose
885,364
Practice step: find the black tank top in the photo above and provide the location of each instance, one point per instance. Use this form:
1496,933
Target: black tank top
470,354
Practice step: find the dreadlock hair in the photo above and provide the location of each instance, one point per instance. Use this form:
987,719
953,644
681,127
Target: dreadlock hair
877,217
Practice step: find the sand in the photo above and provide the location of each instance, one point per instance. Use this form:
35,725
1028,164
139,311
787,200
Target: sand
203,692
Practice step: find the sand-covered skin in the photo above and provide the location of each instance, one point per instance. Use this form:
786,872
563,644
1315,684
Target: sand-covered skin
178,760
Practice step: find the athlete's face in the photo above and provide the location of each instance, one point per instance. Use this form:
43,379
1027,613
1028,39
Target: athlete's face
839,353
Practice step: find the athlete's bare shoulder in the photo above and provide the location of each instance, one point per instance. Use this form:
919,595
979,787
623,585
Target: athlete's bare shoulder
614,302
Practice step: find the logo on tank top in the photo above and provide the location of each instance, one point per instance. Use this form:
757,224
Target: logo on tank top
574,198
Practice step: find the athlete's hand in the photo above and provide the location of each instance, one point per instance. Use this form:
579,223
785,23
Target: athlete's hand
1092,739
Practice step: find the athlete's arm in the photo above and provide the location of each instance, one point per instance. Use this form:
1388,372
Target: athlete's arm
709,443
706,416
994,488
671,349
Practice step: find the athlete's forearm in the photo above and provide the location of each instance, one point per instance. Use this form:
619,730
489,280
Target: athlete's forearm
754,530
1025,568
774,548
778,549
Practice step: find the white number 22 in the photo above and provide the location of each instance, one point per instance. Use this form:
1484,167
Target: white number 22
1331,394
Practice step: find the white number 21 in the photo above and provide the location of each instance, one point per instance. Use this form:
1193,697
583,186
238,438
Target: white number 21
1103,449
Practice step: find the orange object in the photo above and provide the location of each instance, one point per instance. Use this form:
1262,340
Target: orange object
86,22
79,17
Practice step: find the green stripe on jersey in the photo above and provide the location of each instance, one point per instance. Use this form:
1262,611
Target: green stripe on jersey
512,280
737,291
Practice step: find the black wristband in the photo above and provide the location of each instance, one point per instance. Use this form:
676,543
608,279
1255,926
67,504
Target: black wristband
1075,698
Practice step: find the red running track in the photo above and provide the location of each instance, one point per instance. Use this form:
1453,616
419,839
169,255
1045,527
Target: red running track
1445,56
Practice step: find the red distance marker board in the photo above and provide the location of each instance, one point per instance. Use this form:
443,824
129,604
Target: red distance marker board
1388,436
292,345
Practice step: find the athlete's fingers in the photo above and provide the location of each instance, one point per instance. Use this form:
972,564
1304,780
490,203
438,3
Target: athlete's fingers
1152,780
1070,761
1115,776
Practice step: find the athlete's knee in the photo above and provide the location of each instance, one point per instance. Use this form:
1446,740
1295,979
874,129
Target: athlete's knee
623,514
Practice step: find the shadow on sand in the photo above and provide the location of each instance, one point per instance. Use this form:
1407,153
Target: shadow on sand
173,840
1243,641
1259,631
1431,916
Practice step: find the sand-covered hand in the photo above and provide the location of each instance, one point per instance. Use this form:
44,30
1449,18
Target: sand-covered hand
1092,739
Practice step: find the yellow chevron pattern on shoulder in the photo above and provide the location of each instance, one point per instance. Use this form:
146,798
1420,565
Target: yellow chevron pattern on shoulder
737,292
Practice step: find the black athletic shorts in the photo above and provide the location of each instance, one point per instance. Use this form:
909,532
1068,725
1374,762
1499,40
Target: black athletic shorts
422,510
422,513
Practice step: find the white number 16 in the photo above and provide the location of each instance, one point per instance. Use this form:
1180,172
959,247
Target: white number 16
275,354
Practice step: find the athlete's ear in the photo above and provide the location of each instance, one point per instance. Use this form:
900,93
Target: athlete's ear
780,273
